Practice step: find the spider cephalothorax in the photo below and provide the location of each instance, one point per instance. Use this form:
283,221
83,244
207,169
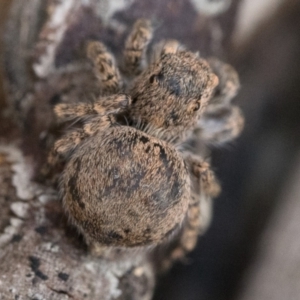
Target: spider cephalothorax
127,181
175,89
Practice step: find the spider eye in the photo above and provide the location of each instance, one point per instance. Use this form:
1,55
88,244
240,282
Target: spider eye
196,107
152,78
156,78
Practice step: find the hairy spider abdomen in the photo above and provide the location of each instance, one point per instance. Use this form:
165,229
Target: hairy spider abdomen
123,187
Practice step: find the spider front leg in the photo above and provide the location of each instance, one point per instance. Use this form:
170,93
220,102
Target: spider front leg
105,68
136,47
220,124
229,83
204,187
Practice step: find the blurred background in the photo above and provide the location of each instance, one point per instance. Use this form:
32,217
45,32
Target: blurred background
252,249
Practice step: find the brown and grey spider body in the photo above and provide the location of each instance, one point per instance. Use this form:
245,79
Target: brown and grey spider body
126,181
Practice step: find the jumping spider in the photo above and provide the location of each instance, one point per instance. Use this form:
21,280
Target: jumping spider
127,180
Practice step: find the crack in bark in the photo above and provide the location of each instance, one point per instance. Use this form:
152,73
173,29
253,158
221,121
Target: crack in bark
59,291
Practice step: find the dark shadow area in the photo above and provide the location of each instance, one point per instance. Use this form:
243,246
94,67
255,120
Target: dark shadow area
254,169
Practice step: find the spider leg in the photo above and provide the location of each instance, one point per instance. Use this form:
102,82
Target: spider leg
103,105
105,68
63,147
204,188
136,47
220,124
203,178
228,85
221,121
